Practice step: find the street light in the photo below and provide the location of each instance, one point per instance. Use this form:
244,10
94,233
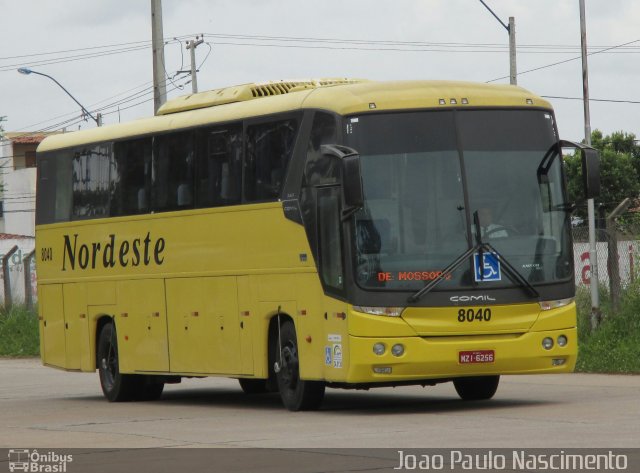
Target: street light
511,29
26,71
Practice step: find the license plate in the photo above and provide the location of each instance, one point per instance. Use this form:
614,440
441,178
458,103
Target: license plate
477,356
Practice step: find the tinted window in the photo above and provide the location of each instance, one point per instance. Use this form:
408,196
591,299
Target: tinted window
219,166
47,188
90,182
173,171
269,148
317,170
329,237
131,177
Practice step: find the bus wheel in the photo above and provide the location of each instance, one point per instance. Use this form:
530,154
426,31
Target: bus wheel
296,394
148,388
253,386
115,386
477,388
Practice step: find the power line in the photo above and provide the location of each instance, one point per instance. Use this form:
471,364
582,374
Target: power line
590,99
396,43
304,43
74,50
146,83
78,57
75,120
567,60
378,49
145,43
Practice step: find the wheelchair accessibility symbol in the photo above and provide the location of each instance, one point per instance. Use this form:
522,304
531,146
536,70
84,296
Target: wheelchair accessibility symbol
489,270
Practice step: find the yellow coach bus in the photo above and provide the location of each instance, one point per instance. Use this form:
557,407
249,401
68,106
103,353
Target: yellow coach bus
312,234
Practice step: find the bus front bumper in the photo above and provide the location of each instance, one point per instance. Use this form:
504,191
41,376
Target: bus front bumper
441,357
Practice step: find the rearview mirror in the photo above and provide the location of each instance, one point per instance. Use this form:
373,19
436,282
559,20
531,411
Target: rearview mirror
590,159
591,172
351,174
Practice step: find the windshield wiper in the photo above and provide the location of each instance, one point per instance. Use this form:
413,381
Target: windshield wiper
480,247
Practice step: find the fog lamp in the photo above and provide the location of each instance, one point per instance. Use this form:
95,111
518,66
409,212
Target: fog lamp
397,349
558,361
379,348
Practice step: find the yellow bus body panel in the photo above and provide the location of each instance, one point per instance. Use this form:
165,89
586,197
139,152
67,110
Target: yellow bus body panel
52,332
204,310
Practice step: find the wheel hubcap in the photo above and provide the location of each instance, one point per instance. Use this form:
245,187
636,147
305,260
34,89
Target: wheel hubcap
290,366
109,365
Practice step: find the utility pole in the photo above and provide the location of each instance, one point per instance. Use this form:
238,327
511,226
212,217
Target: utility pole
513,72
511,29
157,39
191,46
591,214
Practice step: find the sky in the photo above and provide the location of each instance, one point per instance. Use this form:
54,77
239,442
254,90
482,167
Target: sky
100,51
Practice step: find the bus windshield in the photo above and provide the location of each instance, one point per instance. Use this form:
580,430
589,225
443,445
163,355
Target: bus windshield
425,174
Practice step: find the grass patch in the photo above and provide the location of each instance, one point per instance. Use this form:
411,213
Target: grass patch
19,332
615,346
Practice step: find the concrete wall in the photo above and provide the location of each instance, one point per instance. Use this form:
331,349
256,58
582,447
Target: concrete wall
16,268
20,202
18,190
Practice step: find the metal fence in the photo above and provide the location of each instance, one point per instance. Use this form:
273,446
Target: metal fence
19,279
618,258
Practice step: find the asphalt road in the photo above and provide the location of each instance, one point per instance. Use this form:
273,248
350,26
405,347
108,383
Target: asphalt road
42,407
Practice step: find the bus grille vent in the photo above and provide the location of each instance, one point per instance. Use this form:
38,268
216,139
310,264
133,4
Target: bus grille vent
241,93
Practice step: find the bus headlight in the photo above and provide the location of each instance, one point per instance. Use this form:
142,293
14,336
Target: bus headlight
388,311
562,341
547,343
548,305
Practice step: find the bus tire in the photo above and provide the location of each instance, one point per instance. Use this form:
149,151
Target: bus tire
296,394
115,386
477,388
148,389
253,386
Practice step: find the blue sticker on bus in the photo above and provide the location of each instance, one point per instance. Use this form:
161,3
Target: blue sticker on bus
327,355
489,270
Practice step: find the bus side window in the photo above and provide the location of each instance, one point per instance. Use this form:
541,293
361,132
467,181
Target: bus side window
329,240
173,171
219,166
317,171
53,199
90,182
131,177
269,148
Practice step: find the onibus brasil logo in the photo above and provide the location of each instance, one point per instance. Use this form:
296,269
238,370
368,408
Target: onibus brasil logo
23,459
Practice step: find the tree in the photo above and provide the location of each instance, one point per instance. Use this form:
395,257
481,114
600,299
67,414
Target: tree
2,129
619,171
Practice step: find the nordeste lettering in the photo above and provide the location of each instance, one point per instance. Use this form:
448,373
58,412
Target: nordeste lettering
141,251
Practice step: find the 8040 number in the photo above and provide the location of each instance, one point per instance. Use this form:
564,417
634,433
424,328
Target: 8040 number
471,315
